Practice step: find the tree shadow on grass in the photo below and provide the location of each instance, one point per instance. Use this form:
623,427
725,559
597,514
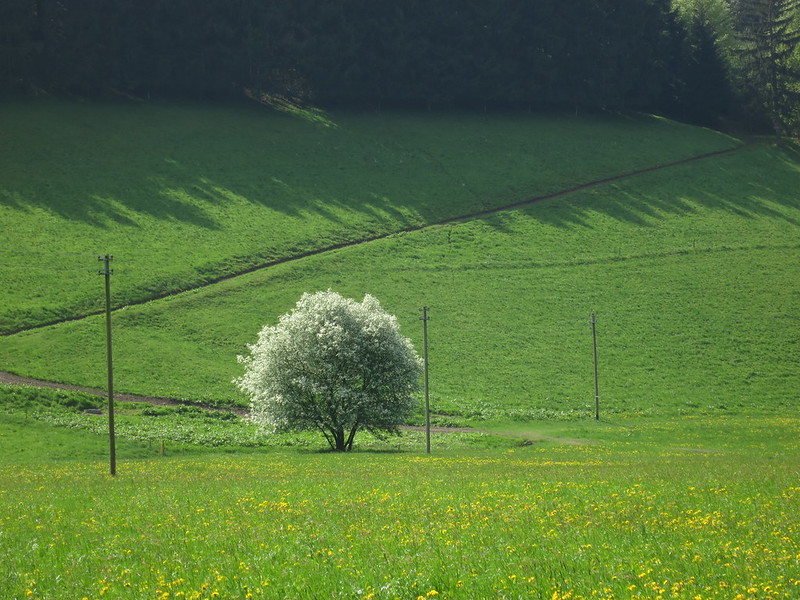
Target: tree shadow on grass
111,166
753,183
196,180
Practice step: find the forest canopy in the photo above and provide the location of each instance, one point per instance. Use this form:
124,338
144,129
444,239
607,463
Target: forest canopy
543,54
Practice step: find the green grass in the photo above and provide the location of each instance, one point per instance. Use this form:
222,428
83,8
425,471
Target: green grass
40,424
691,271
183,194
686,488
28,434
673,508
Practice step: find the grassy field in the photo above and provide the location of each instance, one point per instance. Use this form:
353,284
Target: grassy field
686,488
692,272
36,425
183,194
685,507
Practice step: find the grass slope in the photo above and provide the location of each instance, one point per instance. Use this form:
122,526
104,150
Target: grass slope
692,272
693,275
183,194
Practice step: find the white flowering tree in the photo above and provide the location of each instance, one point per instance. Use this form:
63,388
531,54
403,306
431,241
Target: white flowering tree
333,365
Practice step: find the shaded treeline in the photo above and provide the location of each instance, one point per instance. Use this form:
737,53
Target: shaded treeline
563,54
608,54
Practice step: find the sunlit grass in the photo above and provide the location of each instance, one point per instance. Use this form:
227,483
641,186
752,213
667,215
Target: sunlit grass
183,194
670,515
691,272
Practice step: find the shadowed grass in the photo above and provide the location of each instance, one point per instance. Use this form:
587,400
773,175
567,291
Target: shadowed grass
184,194
692,274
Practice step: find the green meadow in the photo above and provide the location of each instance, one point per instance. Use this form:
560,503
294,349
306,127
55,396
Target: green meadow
691,271
686,487
184,194
683,507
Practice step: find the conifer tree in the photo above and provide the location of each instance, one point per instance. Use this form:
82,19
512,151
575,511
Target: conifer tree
707,93
769,35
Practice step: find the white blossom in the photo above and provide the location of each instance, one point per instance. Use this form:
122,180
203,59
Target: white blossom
334,365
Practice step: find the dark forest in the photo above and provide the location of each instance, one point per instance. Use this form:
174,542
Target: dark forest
575,55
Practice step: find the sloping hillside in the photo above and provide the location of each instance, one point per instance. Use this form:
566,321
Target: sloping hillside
691,271
181,195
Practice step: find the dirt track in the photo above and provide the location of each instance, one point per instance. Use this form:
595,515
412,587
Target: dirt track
490,211
11,379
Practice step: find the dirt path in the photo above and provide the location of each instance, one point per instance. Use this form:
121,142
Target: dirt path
457,219
11,379
525,437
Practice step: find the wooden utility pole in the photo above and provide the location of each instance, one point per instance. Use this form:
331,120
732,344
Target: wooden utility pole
596,385
111,437
427,395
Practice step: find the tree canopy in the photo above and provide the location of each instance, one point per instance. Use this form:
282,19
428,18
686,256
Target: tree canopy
547,54
445,53
769,35
333,365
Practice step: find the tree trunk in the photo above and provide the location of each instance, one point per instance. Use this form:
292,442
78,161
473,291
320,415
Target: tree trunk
338,437
350,438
